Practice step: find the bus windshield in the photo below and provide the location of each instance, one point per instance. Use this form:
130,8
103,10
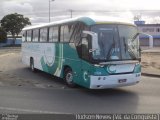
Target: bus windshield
116,42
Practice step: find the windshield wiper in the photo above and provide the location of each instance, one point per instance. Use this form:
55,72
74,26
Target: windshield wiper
127,47
131,53
110,51
134,37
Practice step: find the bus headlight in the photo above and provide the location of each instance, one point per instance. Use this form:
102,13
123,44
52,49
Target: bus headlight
99,78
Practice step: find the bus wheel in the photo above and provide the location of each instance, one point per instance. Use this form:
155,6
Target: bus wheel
32,65
69,78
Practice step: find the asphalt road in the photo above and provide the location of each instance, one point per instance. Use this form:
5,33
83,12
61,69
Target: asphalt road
22,91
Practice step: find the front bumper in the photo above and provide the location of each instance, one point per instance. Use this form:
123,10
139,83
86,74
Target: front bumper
112,81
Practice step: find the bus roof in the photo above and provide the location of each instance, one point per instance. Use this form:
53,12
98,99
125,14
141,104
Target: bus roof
86,20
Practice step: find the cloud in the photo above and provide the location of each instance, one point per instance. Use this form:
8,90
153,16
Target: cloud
151,20
37,10
16,6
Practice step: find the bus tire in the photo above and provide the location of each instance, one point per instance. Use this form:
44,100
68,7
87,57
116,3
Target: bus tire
32,65
68,77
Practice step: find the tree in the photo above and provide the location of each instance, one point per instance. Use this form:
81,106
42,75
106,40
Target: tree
14,23
3,35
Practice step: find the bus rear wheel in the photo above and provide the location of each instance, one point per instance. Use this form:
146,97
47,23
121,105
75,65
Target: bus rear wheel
32,65
68,77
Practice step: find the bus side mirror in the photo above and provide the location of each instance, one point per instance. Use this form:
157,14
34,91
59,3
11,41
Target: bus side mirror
83,35
94,36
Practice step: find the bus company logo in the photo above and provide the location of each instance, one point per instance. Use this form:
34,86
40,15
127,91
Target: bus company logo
111,69
85,76
49,53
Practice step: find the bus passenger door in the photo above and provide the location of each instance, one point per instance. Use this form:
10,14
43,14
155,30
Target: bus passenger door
85,65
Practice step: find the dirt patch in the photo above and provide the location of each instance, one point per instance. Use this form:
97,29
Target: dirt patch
151,63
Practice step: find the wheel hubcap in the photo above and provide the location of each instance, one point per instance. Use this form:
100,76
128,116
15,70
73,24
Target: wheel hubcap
69,78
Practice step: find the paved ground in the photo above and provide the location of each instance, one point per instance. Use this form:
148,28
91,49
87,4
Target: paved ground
142,98
22,91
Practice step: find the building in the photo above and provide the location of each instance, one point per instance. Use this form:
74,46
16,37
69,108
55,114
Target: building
151,29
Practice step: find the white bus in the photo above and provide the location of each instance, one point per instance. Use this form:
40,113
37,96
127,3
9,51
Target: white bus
90,52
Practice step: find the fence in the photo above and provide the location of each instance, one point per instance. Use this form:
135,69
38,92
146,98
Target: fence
10,41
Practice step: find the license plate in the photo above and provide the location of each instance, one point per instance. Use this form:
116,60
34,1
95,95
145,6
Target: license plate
122,80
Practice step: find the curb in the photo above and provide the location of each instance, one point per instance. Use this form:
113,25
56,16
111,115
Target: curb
151,75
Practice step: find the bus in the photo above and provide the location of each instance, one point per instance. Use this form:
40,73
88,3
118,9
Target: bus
92,52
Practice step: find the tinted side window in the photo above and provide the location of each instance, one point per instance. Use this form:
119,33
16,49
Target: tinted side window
66,32
43,34
64,37
76,32
61,34
85,49
35,35
72,31
24,36
29,35
53,34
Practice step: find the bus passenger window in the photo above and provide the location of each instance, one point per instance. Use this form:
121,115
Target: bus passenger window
71,31
76,32
65,35
43,34
53,34
29,35
24,36
85,48
35,35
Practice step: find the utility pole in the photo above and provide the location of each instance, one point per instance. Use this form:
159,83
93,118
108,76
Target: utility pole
49,11
71,11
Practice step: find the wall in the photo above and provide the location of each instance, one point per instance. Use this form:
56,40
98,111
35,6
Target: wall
152,29
10,41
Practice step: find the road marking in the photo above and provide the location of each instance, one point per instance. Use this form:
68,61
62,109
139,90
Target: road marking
30,111
6,54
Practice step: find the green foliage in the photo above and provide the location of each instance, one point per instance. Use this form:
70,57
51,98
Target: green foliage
14,23
3,35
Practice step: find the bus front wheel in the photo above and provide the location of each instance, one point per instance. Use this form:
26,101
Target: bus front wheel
69,78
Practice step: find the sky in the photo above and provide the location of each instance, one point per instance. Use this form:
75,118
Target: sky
37,10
